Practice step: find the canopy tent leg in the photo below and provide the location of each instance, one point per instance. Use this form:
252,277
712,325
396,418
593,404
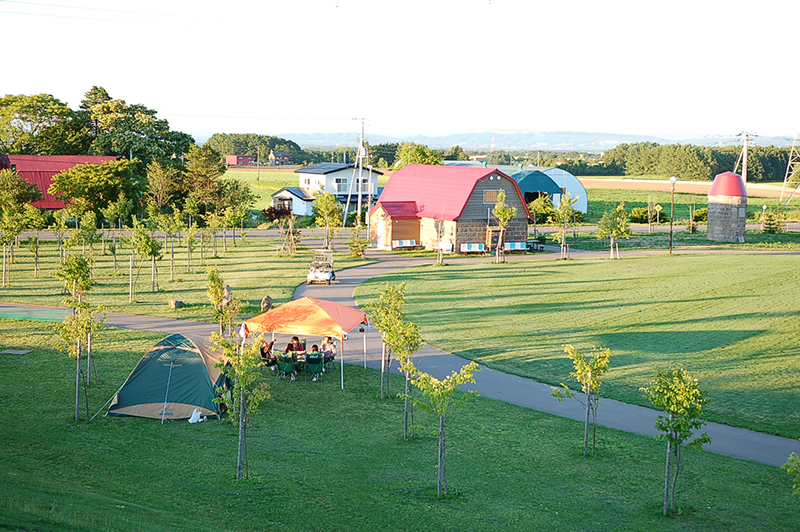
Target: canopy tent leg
341,361
365,348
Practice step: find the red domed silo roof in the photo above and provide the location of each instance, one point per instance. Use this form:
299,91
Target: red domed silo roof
728,184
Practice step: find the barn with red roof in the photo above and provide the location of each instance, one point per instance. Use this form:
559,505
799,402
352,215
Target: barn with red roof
447,206
40,169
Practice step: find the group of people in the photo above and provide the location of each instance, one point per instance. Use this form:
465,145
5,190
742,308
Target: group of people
296,348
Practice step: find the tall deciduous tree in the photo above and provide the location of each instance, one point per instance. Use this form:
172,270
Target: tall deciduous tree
411,153
131,131
40,124
678,394
204,167
98,184
589,374
241,366
614,225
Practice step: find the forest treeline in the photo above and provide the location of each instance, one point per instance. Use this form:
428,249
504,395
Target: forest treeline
700,163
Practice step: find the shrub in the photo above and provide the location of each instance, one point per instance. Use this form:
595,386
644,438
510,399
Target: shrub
638,215
701,215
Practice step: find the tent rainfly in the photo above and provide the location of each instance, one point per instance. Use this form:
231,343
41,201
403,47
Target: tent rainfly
176,376
309,316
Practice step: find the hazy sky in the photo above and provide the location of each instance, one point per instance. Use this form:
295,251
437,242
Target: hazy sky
678,68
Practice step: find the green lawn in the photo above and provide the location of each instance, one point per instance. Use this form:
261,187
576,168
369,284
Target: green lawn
330,460
659,239
252,269
730,319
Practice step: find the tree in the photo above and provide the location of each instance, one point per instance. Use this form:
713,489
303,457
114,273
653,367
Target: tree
14,190
589,373
677,393
204,167
98,185
614,225
792,467
146,246
541,209
563,217
75,332
216,293
503,214
441,402
241,366
76,274
131,131
399,336
357,243
411,153
161,183
328,216
35,221
456,153
41,125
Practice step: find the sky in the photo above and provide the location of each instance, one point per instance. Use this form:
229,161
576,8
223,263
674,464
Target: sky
677,69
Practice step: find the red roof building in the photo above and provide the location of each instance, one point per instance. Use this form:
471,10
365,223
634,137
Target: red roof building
40,169
451,205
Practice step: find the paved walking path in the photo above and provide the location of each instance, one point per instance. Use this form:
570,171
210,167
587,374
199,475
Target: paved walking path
365,350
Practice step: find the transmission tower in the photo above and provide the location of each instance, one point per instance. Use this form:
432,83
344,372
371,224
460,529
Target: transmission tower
792,178
746,138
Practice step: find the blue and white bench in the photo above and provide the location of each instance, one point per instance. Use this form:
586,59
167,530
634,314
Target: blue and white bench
404,244
445,246
515,246
473,248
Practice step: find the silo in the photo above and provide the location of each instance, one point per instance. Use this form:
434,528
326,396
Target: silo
727,208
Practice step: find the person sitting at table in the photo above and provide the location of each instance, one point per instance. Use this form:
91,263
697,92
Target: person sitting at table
266,354
314,351
328,349
294,347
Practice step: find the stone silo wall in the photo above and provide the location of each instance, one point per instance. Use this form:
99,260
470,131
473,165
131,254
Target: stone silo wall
727,218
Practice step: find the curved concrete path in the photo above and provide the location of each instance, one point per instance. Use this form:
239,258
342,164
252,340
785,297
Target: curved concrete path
365,350
729,441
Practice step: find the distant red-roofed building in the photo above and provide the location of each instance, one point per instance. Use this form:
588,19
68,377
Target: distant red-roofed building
40,169
447,205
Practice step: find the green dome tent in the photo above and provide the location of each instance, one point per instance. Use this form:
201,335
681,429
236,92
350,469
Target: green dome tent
172,379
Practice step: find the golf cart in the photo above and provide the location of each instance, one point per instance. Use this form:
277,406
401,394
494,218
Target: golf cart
321,269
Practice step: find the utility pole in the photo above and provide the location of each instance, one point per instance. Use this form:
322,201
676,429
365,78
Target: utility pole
258,162
746,138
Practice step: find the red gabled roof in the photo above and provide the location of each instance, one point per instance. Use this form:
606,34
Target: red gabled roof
398,210
40,169
439,192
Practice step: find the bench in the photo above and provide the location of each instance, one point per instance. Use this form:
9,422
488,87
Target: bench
404,244
515,246
535,245
473,248
445,246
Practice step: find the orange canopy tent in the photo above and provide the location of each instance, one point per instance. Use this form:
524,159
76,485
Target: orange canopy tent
309,317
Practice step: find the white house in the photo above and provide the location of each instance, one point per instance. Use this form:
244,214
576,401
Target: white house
340,178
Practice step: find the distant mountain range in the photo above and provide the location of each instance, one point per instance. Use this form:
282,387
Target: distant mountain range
520,140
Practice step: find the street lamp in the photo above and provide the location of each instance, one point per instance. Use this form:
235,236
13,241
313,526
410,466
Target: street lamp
672,180
763,215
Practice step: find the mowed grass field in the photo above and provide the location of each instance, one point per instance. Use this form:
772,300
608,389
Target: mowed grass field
730,319
323,459
252,268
